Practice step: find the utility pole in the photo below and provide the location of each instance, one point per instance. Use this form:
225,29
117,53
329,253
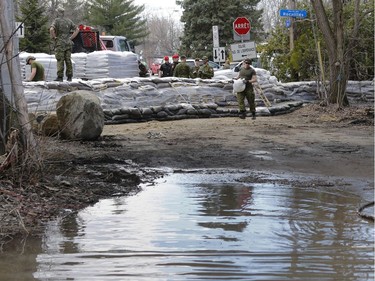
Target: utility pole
292,6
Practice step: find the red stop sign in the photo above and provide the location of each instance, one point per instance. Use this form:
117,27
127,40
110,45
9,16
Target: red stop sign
241,25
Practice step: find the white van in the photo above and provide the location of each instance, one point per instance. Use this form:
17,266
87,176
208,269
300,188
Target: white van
116,43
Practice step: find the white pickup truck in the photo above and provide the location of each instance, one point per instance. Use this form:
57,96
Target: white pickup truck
117,43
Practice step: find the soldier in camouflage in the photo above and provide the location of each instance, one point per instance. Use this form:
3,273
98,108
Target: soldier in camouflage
205,71
175,62
63,31
249,75
195,68
182,69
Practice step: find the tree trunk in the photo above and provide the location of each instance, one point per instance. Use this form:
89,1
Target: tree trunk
338,81
4,120
338,60
13,70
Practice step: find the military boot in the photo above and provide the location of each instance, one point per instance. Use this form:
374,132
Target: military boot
69,78
253,114
242,114
58,79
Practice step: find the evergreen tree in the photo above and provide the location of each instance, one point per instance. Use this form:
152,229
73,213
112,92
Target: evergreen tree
200,15
118,17
35,21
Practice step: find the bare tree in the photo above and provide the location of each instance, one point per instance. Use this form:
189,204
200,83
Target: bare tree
340,43
270,15
164,36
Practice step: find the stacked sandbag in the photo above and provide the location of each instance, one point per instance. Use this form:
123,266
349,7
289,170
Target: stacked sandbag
109,64
79,60
95,65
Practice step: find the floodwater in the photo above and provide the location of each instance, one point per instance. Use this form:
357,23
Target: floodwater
205,226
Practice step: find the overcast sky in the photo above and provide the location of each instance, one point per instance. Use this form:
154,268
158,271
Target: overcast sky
165,7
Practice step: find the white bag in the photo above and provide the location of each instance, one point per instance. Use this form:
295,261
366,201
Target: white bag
239,85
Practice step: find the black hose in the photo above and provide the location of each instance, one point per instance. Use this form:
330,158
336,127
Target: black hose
365,216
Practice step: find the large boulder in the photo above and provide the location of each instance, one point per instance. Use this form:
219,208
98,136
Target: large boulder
80,116
44,124
49,125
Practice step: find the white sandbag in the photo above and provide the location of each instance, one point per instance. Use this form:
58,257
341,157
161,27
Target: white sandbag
98,64
239,85
80,60
110,64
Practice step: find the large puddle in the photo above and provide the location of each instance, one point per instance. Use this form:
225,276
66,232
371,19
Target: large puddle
206,226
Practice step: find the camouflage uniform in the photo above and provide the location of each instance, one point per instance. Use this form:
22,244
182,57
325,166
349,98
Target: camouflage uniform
248,93
195,69
63,48
182,70
206,71
174,65
175,62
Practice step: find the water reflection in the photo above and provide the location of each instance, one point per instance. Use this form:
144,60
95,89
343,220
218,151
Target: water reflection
18,259
212,226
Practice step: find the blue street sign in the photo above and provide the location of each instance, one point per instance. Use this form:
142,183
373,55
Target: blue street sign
293,13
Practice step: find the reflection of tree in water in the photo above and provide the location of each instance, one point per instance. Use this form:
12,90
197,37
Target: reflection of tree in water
228,202
70,228
73,226
119,205
19,254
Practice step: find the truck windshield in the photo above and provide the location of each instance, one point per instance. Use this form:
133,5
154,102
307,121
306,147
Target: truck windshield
124,46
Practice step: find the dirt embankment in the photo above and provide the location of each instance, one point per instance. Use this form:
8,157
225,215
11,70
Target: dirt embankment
313,140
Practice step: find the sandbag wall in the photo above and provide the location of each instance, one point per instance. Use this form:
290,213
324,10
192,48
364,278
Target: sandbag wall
189,111
142,99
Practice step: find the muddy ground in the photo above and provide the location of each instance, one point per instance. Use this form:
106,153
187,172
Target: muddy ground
313,140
